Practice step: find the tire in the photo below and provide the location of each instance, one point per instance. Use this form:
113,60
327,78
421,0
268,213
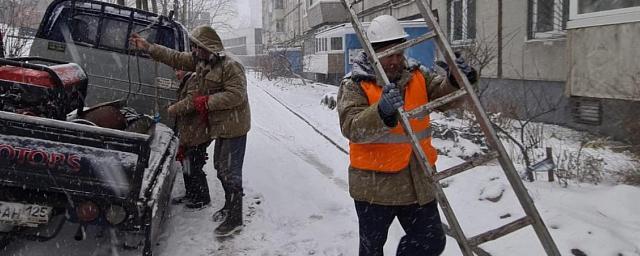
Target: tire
5,240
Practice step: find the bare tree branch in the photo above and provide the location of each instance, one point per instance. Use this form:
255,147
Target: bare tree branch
17,16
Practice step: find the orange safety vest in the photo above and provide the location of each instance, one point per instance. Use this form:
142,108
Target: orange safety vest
392,152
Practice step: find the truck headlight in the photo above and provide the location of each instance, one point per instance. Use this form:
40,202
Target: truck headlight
115,214
87,211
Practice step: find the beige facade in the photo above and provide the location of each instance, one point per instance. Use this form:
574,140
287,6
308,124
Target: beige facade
604,62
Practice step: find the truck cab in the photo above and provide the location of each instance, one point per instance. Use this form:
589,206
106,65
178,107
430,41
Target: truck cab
95,36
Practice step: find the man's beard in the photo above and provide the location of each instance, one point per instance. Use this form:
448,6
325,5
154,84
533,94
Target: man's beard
394,72
197,59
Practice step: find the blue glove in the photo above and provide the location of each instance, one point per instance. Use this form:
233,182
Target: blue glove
467,70
390,101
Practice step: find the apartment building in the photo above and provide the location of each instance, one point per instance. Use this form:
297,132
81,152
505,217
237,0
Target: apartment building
244,43
569,62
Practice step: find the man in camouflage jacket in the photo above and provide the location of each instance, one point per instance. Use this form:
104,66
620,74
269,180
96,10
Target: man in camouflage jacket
390,188
213,105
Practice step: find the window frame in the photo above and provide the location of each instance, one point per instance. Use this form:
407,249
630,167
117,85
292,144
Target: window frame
559,29
281,22
467,37
65,14
599,18
278,4
340,43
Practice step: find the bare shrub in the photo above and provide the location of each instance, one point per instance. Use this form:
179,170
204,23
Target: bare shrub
579,166
630,176
16,17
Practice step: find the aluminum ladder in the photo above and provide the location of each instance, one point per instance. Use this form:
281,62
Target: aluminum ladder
467,245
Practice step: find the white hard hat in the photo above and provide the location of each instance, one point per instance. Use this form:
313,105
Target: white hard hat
385,28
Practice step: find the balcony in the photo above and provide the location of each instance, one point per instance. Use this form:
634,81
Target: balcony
326,13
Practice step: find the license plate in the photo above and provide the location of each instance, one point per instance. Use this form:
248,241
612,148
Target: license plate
30,215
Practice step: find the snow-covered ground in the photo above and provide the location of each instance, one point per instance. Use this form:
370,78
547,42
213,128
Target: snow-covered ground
297,201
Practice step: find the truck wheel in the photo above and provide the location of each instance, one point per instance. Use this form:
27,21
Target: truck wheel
5,236
5,240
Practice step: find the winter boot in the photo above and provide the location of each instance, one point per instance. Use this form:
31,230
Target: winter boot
181,200
222,214
233,222
197,204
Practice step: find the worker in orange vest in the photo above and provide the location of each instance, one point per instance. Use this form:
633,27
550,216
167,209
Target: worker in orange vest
385,179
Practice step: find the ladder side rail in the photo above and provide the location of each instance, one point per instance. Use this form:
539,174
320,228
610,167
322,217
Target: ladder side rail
492,139
418,152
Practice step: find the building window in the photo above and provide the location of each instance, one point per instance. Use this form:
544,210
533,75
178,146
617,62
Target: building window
336,43
324,44
584,13
461,21
309,46
278,4
547,18
590,6
280,26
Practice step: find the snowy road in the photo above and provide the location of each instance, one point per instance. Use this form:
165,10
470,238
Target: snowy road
294,200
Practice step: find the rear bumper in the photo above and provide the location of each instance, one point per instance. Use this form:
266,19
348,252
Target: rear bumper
66,204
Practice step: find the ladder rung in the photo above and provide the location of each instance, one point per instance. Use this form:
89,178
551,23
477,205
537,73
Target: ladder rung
477,161
501,231
424,110
479,251
407,44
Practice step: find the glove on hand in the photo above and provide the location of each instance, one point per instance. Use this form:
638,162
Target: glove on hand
390,101
467,70
180,155
200,103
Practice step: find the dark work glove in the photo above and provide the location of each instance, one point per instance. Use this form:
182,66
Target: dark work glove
389,102
467,70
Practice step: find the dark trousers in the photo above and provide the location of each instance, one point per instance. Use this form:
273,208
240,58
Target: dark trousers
195,180
228,157
422,225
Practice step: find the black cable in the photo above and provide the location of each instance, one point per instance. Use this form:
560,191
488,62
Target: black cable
128,77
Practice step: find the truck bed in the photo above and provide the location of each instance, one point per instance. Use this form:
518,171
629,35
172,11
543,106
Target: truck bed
59,156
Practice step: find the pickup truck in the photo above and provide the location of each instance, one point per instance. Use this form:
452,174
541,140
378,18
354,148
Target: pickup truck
82,143
57,170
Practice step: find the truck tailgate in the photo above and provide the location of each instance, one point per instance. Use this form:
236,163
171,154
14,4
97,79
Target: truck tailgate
54,155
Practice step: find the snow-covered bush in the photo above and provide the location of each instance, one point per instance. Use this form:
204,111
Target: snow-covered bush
579,166
630,176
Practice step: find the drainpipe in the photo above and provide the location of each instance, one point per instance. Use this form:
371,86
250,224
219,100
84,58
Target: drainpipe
499,39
